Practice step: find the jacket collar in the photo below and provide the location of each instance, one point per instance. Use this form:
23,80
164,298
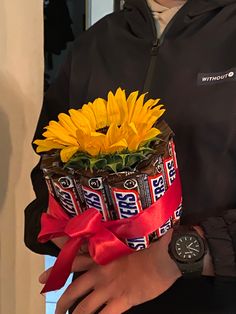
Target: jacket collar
139,18
141,23
202,6
196,7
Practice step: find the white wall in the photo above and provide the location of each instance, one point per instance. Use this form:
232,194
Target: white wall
96,9
21,80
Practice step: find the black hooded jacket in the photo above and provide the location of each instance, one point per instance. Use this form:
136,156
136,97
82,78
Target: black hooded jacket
192,68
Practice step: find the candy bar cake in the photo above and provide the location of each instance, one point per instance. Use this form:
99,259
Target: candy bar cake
113,155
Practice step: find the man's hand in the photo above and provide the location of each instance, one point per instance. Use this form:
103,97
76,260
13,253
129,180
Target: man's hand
126,282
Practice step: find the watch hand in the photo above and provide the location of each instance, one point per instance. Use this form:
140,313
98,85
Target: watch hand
191,248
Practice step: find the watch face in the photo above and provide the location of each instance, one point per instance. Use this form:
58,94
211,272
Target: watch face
188,248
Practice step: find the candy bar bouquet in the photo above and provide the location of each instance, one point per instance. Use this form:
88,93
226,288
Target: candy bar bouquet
112,177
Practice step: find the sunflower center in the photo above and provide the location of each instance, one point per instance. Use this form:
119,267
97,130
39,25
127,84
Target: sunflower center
103,130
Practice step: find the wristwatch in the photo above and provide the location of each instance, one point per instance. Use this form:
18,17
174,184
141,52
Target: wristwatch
187,248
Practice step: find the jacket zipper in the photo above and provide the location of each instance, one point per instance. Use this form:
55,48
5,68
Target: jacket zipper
157,42
154,50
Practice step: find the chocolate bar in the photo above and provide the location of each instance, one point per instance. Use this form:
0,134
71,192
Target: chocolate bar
62,185
126,195
95,195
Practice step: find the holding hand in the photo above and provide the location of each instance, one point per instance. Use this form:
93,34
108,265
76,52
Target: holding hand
124,283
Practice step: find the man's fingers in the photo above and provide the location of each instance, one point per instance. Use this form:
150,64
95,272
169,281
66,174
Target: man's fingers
44,276
75,290
81,263
92,302
84,249
116,306
60,241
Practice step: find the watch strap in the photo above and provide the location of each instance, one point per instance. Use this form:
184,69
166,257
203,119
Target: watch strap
191,269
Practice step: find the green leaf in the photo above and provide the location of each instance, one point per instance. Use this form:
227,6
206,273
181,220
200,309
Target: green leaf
113,162
95,163
133,159
114,166
123,157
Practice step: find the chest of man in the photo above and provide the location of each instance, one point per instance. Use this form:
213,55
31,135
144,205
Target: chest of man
194,74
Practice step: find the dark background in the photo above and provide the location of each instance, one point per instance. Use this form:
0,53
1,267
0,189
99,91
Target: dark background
64,20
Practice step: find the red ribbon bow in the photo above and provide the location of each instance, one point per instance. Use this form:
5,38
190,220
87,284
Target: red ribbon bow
104,238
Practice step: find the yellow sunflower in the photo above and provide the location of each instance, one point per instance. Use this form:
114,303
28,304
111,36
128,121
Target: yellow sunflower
104,126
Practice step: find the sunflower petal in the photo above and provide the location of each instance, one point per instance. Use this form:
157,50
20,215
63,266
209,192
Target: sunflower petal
112,134
122,104
120,144
136,116
147,107
133,127
67,152
79,119
152,120
133,144
113,110
93,148
131,101
56,140
46,145
57,131
99,109
67,123
152,133
89,114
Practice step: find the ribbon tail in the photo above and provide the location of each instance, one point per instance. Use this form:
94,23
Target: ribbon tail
62,267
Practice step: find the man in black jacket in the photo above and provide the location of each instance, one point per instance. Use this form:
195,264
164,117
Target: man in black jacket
191,66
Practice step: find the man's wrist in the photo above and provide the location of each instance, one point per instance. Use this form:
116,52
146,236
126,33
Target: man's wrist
160,254
159,249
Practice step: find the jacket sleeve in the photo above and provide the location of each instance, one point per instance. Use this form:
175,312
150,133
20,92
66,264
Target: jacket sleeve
55,101
220,233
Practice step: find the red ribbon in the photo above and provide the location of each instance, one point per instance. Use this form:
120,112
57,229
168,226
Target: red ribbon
104,238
